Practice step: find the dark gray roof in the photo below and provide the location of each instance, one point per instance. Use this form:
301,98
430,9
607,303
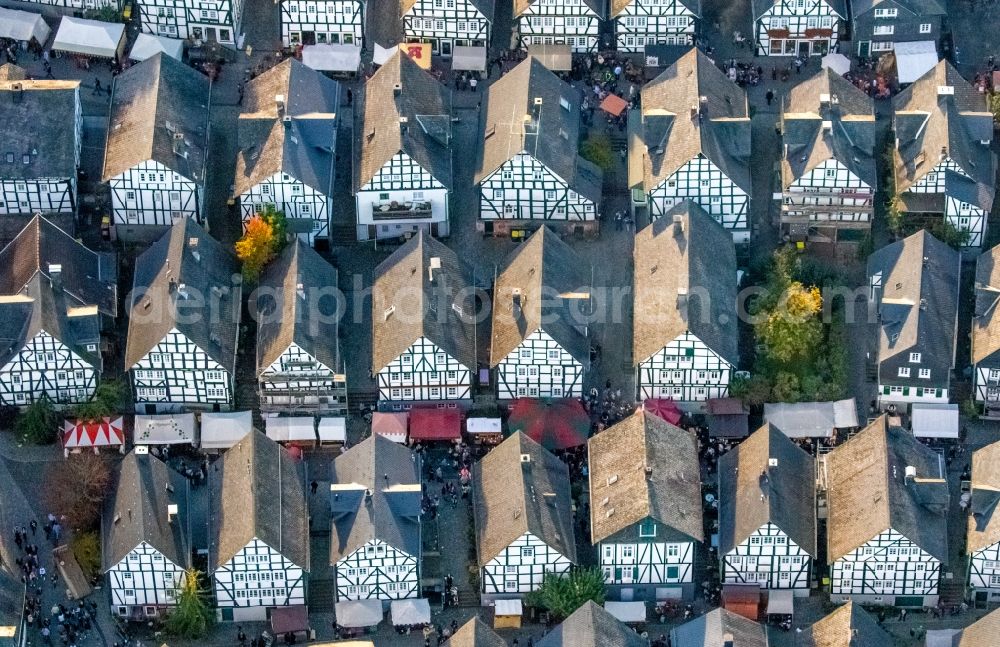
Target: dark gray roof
383,23
307,317
868,492
847,626
159,112
538,273
918,305
398,90
981,633
986,319
475,633
917,7
38,118
850,140
512,496
550,135
752,493
592,626
930,125
138,512
597,6
710,629
11,72
87,277
391,472
185,255
256,492
693,108
670,493
984,522
303,146
408,304
688,250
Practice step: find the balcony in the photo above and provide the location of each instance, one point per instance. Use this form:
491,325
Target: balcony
402,210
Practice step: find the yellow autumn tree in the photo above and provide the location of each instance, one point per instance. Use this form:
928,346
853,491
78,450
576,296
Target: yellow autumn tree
263,238
792,328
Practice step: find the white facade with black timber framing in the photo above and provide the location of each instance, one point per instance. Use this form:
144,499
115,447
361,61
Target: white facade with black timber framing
797,27
520,568
423,373
985,351
198,20
46,367
377,571
703,182
524,189
768,558
256,578
983,526
318,22
297,381
151,194
568,22
381,203
177,372
144,580
639,23
885,569
685,370
539,368
82,5
447,24
293,198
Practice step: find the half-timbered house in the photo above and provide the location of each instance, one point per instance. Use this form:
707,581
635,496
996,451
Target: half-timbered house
75,6
146,537
155,154
423,331
184,320
639,23
645,508
982,537
258,530
447,24
887,524
591,626
523,514
540,346
715,626
985,337
797,27
287,140
529,172
375,545
879,24
214,21
692,141
55,294
828,173
767,513
300,367
914,285
41,131
402,152
319,22
849,625
944,163
567,22
685,342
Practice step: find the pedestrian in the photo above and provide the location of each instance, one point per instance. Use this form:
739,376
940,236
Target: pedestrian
313,487
769,96
97,87
473,82
241,637
34,527
350,97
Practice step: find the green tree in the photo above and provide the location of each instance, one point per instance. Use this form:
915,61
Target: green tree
192,617
561,595
791,329
109,399
38,424
786,387
753,391
598,149
950,235
994,104
104,14
894,214
86,547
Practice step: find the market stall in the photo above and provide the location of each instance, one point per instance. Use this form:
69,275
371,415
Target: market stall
780,602
299,430
934,420
558,58
149,45
507,614
410,613
555,424
484,431
836,62
165,429
332,430
223,430
90,38
727,418
464,57
391,425
23,26
743,599
290,620
627,612
78,435
428,424
914,59
665,408
811,419
332,58
358,614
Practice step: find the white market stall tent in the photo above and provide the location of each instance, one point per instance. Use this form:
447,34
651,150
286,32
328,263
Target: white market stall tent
914,59
627,612
149,45
934,420
332,429
22,26
781,602
465,57
300,430
811,419
164,429
410,612
332,58
354,614
223,430
90,37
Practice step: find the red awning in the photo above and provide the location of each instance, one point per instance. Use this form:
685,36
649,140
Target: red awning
435,424
613,104
554,424
285,619
743,599
665,408
105,433
391,425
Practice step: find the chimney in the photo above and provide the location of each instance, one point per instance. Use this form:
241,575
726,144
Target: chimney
435,265
182,290
824,99
300,290
403,121
397,90
516,302
910,473
525,458
171,512
287,121
694,111
17,90
728,640
827,127
193,242
279,102
678,224
55,275
649,471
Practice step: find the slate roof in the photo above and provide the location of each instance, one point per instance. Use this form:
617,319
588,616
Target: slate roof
391,472
485,7
591,626
542,269
868,493
550,135
752,494
88,278
847,626
407,304
850,140
185,255
256,491
137,512
618,6
511,497
426,105
684,250
597,6
710,629
307,318
647,469
383,23
918,7
303,147
981,633
984,522
38,121
475,633
929,125
159,112
11,72
986,319
918,304
676,121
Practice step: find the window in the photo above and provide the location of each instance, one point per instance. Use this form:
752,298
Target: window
885,30
647,528
527,551
904,371
755,541
831,172
886,13
925,28
510,585
914,358
525,353
673,550
628,552
925,373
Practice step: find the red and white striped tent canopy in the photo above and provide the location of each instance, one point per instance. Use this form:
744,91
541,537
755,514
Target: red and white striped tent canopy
106,433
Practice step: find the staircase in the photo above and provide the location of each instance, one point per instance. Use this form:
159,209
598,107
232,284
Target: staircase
468,598
951,591
321,596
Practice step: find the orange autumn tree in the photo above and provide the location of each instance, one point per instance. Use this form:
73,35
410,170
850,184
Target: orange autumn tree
263,238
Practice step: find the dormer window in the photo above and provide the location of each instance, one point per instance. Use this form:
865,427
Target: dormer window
914,358
647,528
904,371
